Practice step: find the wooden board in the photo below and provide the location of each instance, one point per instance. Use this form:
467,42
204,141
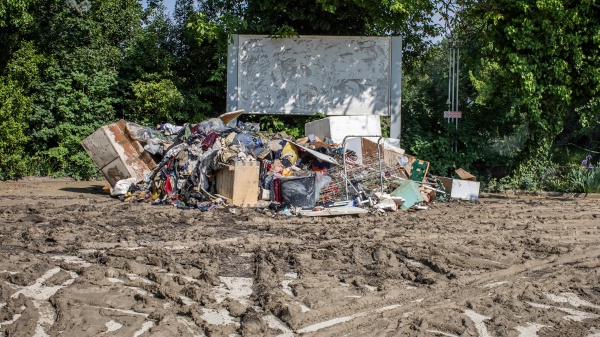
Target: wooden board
238,183
116,155
335,211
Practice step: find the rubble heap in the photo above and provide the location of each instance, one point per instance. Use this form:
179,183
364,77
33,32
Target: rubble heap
225,161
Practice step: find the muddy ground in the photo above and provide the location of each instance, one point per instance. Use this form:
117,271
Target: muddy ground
74,262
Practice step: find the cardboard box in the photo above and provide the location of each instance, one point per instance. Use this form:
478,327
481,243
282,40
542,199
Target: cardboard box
391,156
367,148
338,127
464,175
238,183
461,189
116,154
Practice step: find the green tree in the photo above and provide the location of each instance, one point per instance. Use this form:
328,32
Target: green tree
148,81
546,54
14,106
410,19
67,65
20,75
216,20
156,101
200,59
75,94
15,12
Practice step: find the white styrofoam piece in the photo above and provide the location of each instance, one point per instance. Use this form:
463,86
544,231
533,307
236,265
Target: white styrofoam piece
354,144
465,189
338,127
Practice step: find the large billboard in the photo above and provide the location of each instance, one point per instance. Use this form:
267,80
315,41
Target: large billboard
314,74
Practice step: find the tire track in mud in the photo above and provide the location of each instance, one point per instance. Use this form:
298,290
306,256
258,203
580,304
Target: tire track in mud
399,274
538,265
464,294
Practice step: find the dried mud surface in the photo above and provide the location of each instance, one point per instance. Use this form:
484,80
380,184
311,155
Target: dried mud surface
74,262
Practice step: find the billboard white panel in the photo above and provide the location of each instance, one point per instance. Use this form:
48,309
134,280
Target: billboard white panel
310,74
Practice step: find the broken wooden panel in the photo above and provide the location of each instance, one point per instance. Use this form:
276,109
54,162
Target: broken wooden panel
238,183
116,154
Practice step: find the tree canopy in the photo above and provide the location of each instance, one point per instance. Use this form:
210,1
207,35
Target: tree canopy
529,75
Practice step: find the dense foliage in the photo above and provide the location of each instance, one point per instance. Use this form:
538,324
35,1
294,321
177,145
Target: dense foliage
539,62
529,76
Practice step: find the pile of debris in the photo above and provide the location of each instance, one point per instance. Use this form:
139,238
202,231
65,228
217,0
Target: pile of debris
223,161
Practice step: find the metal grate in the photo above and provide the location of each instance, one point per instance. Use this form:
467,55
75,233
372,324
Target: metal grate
354,176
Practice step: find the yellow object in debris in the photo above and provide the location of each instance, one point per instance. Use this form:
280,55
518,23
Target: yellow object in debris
156,189
291,150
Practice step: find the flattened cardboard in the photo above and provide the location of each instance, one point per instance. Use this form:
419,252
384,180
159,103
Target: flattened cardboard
229,116
464,175
389,157
416,169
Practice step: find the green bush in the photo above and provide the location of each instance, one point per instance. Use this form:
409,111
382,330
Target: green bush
583,177
14,106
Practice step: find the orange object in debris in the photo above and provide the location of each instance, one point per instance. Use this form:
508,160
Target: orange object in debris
318,169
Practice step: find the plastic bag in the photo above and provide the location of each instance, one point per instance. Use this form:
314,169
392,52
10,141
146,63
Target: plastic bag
211,125
170,128
153,148
298,191
122,186
149,135
244,139
321,181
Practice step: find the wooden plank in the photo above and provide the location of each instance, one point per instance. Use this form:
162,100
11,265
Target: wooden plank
334,211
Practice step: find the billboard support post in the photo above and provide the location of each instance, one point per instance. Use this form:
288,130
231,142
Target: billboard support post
396,89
